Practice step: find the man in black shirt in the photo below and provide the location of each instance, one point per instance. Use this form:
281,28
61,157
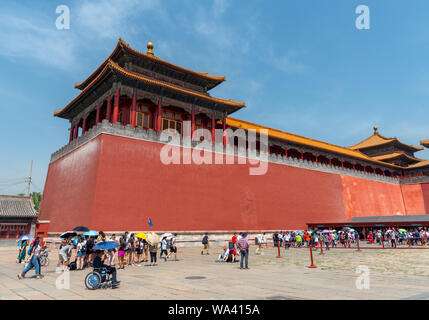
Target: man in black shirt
98,263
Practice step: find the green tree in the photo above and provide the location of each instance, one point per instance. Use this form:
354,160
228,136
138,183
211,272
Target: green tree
37,198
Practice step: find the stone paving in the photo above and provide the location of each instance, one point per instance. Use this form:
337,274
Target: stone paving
394,274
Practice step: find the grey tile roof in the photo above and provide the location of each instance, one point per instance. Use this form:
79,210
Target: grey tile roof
16,206
375,219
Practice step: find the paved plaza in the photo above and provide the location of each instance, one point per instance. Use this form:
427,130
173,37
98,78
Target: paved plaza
394,274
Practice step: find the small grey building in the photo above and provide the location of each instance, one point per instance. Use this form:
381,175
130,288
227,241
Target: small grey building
17,217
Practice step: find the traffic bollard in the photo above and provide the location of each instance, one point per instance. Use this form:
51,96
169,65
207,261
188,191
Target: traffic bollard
312,265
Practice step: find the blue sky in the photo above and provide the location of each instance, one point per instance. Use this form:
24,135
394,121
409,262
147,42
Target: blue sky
300,66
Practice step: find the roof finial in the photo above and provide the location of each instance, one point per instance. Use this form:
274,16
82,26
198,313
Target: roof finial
150,48
375,130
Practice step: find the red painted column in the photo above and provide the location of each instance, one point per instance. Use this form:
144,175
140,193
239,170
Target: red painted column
342,164
76,130
192,123
225,138
116,107
285,152
133,111
330,162
109,108
158,115
97,115
213,128
71,132
317,159
302,156
354,168
84,125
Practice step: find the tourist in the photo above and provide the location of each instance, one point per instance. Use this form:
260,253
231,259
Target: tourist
243,245
153,249
145,251
164,248
325,240
81,254
121,252
205,243
22,251
173,247
275,239
298,240
258,242
264,239
98,264
223,257
139,251
131,249
111,253
33,260
64,254
89,252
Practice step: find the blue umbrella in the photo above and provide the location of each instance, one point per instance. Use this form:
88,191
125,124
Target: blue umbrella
25,237
91,233
105,245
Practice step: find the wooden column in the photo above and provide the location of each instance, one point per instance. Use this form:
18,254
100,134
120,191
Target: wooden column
109,108
71,132
213,128
286,152
84,124
302,156
116,107
330,162
342,164
133,111
158,115
192,123
97,115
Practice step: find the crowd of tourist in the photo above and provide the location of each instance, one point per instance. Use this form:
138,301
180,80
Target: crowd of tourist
76,252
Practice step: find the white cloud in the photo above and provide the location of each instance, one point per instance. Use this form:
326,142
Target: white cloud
111,18
32,38
219,7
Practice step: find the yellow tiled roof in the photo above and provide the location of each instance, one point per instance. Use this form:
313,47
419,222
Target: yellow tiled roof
377,140
425,143
236,123
396,155
113,65
122,44
422,163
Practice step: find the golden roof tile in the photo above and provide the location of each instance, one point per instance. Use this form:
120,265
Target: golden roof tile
122,44
237,123
114,66
378,140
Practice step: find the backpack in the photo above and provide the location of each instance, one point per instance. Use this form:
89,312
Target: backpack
205,240
72,266
170,243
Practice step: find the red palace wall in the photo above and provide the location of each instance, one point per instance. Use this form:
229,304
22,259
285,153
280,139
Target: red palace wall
115,183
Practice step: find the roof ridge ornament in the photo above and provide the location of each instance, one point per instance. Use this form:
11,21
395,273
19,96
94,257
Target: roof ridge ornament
150,48
375,130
